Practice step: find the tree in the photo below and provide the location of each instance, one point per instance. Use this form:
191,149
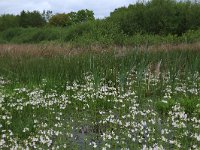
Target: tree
61,20
161,17
84,16
71,18
31,19
158,17
8,21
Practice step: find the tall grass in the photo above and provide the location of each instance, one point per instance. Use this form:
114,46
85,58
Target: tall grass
58,68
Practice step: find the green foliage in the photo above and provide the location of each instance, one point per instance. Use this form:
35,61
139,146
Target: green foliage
71,18
164,107
25,19
154,22
99,31
32,35
189,105
8,21
91,33
129,19
84,16
158,17
21,120
46,34
8,35
31,19
60,20
77,31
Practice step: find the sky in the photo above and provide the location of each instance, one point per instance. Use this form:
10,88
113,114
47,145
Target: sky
101,8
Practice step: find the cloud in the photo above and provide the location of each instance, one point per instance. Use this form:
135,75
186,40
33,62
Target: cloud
101,8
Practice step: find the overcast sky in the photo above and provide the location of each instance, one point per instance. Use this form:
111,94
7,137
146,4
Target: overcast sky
101,8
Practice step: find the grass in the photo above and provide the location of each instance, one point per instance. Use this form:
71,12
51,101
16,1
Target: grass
99,100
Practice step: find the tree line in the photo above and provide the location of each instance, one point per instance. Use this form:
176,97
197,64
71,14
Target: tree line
46,18
160,17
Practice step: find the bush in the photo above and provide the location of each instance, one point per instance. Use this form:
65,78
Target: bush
78,30
46,34
9,34
100,31
32,35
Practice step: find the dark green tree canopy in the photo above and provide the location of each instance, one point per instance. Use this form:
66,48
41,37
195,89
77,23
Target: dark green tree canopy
31,19
158,17
8,21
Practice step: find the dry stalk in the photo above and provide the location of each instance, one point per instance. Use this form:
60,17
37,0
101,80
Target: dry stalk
153,72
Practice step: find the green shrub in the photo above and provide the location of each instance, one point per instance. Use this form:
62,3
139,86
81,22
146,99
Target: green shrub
78,30
9,34
45,34
101,32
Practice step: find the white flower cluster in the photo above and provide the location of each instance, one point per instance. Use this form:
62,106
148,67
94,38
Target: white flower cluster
105,116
